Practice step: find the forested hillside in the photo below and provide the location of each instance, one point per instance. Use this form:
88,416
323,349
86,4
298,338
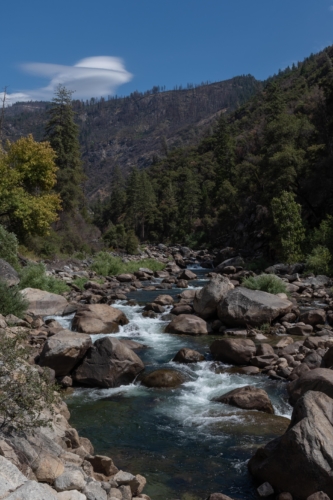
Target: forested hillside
136,129
220,192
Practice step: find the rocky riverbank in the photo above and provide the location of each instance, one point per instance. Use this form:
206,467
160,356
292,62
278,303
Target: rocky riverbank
284,337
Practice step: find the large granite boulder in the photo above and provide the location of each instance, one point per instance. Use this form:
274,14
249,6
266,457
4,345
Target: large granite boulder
63,351
206,300
8,273
98,318
319,379
248,398
43,303
300,461
243,307
233,351
187,324
108,363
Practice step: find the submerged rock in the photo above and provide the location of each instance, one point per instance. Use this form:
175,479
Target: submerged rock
163,378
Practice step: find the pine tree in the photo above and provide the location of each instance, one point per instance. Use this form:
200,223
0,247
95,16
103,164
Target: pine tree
62,133
224,154
288,221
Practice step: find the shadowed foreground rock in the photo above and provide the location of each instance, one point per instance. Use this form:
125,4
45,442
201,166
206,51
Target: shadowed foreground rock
243,307
300,461
319,379
108,363
248,398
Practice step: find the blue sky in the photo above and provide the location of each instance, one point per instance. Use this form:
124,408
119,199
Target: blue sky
118,46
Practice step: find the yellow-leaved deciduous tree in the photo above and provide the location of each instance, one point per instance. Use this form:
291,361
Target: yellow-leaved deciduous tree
27,177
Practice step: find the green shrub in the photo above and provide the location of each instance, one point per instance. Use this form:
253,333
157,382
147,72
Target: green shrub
107,265
319,260
8,247
11,301
34,276
80,282
266,283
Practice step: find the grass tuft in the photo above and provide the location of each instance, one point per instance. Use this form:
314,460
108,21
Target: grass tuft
34,276
107,265
266,283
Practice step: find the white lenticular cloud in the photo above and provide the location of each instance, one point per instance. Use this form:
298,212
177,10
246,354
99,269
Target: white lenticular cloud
91,77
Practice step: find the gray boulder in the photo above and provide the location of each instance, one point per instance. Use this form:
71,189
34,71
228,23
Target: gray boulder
248,398
186,355
98,318
243,307
43,303
108,363
206,300
187,324
319,379
31,490
64,350
8,273
234,351
300,461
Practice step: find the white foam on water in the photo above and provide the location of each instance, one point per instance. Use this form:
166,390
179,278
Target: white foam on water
190,405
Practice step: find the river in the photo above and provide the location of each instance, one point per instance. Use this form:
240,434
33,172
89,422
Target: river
186,445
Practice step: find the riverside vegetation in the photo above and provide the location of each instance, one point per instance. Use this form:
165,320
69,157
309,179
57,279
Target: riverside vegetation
244,191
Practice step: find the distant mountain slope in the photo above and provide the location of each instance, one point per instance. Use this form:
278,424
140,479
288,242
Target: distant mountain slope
133,130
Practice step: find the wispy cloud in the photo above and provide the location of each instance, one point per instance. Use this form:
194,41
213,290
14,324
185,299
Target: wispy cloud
90,77
331,7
